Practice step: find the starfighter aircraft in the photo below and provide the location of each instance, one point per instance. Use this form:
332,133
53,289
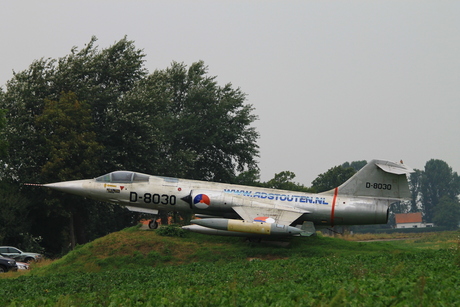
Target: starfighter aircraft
236,210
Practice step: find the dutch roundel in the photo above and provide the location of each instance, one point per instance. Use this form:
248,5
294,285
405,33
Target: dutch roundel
264,219
201,201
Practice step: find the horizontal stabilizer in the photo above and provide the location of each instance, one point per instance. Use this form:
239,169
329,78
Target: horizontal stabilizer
393,168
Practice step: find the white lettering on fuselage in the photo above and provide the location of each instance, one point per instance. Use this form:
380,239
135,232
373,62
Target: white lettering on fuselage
280,197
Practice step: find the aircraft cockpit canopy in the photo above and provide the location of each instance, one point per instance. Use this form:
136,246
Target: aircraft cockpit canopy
123,177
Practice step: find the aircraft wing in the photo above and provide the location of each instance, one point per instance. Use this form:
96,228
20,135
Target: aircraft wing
262,212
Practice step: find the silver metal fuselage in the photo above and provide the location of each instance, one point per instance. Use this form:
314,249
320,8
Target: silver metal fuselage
172,194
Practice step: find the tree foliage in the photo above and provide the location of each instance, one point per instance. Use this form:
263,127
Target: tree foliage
334,177
97,77
356,165
284,181
415,182
57,113
438,180
186,126
447,213
71,149
3,142
14,215
95,111
251,177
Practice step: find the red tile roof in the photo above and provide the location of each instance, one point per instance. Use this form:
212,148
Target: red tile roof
402,218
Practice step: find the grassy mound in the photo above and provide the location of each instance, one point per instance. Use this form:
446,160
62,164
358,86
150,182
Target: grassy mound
136,248
138,267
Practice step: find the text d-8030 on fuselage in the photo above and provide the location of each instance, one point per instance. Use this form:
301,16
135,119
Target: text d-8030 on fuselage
157,199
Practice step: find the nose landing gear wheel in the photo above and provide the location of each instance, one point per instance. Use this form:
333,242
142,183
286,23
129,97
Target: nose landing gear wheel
153,224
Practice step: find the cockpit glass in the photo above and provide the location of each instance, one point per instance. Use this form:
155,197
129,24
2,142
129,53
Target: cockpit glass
140,178
105,178
123,177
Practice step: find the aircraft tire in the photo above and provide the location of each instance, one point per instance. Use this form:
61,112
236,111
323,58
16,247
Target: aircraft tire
153,224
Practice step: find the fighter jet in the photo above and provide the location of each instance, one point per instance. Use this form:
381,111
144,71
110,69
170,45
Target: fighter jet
236,210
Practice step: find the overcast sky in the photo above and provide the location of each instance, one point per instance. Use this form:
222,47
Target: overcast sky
331,81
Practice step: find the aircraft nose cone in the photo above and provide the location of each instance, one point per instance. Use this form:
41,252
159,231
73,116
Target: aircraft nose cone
72,187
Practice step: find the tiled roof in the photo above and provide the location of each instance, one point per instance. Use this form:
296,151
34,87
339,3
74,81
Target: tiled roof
402,218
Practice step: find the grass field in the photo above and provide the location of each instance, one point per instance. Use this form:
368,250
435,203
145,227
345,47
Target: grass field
141,268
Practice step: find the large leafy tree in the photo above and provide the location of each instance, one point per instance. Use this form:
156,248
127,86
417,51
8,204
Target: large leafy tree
98,77
66,130
180,122
94,111
71,152
447,213
14,215
101,78
438,180
54,136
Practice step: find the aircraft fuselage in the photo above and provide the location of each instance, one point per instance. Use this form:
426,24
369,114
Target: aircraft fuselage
253,211
218,199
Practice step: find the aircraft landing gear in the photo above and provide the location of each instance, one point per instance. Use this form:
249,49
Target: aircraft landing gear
153,224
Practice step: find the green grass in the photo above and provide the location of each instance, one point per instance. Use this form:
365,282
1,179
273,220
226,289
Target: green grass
136,267
134,247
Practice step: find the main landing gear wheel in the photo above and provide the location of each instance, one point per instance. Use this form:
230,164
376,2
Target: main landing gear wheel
153,224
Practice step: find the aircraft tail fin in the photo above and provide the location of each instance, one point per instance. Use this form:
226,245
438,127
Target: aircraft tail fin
379,179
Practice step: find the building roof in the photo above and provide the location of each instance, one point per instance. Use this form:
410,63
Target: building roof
402,218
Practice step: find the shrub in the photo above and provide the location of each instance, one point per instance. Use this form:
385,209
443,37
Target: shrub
171,231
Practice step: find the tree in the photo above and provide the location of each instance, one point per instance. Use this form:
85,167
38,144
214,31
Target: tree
447,213
334,177
95,111
283,181
99,79
250,177
102,78
415,181
185,125
3,142
357,165
14,230
14,214
66,130
438,180
72,152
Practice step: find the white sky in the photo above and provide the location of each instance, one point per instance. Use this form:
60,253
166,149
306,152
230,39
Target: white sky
331,81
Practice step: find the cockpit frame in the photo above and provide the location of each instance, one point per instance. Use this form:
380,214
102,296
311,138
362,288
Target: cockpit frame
123,177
